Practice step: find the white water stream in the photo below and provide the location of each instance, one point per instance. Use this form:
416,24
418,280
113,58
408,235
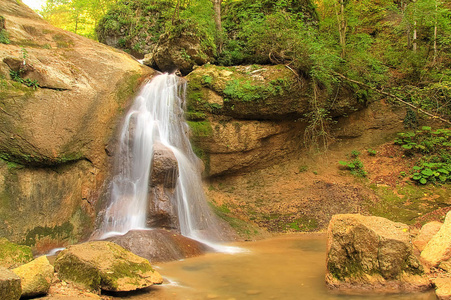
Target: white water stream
157,116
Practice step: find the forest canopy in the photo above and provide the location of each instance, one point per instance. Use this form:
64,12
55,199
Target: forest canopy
400,48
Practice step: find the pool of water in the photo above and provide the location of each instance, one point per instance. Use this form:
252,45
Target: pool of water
286,267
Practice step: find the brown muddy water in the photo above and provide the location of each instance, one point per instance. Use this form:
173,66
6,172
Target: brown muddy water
283,268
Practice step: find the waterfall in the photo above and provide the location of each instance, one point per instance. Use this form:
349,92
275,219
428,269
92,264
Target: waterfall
157,117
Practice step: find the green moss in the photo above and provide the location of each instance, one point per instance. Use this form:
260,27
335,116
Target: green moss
303,224
200,129
195,116
70,268
12,255
407,203
128,88
59,232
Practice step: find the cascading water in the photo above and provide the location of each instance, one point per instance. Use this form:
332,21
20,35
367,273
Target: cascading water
156,116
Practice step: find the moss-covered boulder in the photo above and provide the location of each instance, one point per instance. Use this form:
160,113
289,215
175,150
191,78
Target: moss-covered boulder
371,253
12,255
36,277
61,97
106,266
10,288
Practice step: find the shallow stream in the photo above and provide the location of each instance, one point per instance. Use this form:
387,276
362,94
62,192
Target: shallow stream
285,267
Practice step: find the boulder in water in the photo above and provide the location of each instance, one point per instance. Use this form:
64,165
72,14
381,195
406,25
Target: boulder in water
35,276
10,288
371,253
105,265
160,245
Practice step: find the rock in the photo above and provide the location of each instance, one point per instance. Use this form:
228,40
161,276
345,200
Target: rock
426,233
437,252
371,253
10,288
180,51
160,245
164,167
59,130
35,276
12,255
106,266
443,288
162,212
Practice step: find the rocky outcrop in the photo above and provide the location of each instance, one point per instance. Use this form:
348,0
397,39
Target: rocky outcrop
9,285
245,117
426,233
60,102
371,253
160,245
35,276
12,255
437,252
106,266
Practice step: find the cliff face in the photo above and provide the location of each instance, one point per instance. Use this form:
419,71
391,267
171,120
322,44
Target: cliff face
60,100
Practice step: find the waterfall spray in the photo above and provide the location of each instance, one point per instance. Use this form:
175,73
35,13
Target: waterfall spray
157,116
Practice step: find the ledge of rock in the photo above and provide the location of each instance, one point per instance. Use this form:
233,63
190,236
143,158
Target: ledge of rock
372,253
106,266
160,245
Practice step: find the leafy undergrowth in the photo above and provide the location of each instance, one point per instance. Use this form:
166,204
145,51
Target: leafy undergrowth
411,177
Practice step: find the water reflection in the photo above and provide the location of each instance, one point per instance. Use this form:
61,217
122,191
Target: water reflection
285,268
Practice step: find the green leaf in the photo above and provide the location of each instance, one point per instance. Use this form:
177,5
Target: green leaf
423,181
427,172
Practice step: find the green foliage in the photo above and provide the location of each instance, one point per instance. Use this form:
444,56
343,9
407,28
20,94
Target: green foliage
17,76
434,148
355,165
371,152
4,37
247,90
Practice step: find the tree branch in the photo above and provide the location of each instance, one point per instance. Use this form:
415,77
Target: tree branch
392,96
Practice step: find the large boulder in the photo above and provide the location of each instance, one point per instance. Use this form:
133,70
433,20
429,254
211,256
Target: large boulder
36,277
105,265
160,245
437,252
60,102
371,253
10,288
180,49
12,255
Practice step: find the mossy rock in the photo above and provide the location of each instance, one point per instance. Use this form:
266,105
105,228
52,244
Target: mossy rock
10,288
35,276
13,255
106,266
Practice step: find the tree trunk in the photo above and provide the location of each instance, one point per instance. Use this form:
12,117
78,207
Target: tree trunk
435,32
217,9
342,25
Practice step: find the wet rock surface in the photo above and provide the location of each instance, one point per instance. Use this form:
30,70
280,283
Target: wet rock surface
371,253
106,266
160,245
